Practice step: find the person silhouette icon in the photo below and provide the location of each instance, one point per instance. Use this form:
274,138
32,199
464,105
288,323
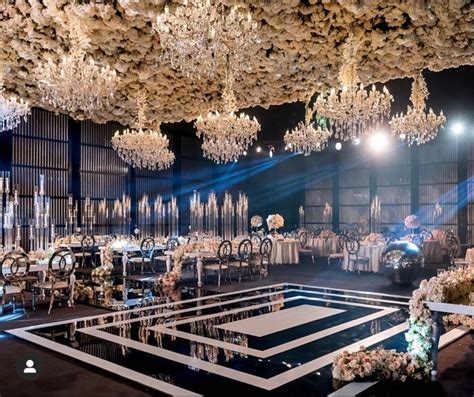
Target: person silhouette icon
30,367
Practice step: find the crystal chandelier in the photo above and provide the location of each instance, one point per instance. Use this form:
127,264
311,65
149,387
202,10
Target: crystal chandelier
76,83
143,148
226,135
198,37
353,111
12,111
417,126
307,137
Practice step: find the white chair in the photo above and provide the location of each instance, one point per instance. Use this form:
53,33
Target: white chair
224,253
243,260
338,255
147,248
304,250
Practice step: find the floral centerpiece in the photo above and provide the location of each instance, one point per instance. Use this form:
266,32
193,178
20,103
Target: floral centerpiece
374,238
256,221
41,255
412,222
455,287
275,221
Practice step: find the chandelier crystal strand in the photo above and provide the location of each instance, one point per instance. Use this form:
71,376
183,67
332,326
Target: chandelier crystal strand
226,136
198,37
12,111
352,111
76,83
307,137
417,126
143,148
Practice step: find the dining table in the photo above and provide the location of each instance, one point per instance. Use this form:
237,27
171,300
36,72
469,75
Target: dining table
432,251
323,246
371,251
285,252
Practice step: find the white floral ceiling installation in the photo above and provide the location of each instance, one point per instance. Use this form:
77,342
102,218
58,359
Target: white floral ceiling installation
299,49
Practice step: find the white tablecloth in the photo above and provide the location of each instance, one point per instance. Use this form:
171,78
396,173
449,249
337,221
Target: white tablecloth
323,247
432,251
470,255
373,252
285,252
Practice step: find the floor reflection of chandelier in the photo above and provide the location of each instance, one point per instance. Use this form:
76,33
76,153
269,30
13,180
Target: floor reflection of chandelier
76,83
226,136
198,38
12,111
417,126
353,111
143,148
307,137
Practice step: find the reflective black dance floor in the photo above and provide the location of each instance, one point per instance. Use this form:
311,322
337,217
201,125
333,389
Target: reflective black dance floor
277,340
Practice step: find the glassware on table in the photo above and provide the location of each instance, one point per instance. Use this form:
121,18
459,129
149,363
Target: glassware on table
439,272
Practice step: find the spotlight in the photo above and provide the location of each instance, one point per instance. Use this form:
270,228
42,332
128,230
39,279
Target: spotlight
338,145
457,128
356,141
245,153
378,142
272,150
259,149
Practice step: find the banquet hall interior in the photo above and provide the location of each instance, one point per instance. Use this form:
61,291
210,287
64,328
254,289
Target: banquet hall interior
271,197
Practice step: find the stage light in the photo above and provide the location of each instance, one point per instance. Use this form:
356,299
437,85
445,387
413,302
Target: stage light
356,141
378,142
259,149
457,128
338,145
272,150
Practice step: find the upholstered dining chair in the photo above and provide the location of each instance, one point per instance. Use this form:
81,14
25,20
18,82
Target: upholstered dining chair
353,255
171,244
87,251
243,259
147,249
265,256
224,253
341,241
453,252
304,250
15,267
59,278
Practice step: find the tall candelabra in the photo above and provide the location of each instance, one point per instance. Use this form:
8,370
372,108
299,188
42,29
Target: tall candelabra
88,217
196,209
227,216
242,214
159,215
375,215
103,218
40,227
121,215
173,216
212,215
144,215
327,216
9,214
301,221
71,221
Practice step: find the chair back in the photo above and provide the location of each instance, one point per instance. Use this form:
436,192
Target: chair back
426,234
341,241
193,239
87,243
266,248
352,246
15,265
256,239
61,264
453,248
147,247
172,244
303,239
245,249
224,251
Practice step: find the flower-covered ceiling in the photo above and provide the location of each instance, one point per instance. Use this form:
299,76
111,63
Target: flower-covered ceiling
299,50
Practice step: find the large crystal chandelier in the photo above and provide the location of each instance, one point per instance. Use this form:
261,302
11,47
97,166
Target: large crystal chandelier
226,135
12,111
353,111
307,137
76,83
198,37
143,148
417,126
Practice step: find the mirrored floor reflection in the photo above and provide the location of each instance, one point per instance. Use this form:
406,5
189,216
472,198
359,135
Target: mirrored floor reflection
277,340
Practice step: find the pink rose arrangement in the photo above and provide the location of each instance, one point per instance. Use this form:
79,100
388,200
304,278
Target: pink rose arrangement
412,222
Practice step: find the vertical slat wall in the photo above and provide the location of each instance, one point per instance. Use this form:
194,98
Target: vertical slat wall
103,173
438,183
393,186
318,192
354,197
470,194
40,146
196,173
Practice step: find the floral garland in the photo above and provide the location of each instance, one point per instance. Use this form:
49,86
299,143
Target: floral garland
455,286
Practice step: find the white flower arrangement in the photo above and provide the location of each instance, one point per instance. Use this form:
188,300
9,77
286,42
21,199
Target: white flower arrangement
412,222
256,221
275,221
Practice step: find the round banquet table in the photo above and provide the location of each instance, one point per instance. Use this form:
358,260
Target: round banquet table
285,252
432,251
322,246
371,251
470,255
